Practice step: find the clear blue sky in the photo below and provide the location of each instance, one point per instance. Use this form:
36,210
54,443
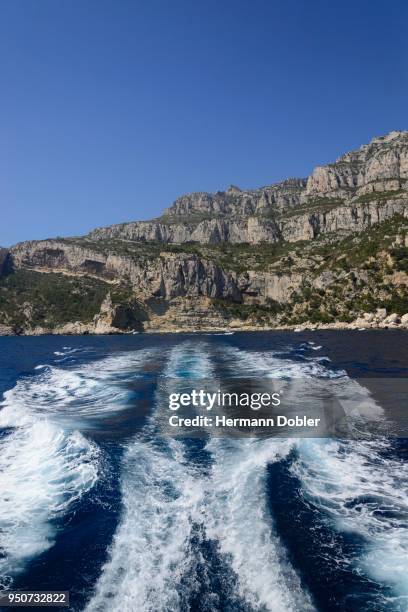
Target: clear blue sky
110,109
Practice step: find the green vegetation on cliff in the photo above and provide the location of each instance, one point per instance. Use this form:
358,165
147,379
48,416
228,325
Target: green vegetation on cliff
48,300
257,312
338,278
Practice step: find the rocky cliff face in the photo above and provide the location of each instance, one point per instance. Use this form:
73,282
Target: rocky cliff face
381,165
328,247
166,276
303,224
334,197
237,202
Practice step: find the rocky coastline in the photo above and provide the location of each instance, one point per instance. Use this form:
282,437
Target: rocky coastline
325,252
377,320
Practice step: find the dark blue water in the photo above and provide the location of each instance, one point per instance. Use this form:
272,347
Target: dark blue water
95,500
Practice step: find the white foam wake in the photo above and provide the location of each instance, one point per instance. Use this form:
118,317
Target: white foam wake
240,520
165,497
271,364
351,482
237,512
45,463
237,517
360,489
162,500
189,360
69,395
42,472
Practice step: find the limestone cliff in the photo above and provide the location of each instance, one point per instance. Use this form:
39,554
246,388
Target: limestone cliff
361,188
325,249
166,276
381,165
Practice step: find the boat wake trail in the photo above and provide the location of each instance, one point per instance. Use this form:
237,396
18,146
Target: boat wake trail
361,490
43,471
175,512
46,463
151,551
237,517
357,487
198,522
74,395
162,496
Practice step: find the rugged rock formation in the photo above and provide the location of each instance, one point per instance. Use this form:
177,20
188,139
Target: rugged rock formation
322,250
235,201
382,165
304,225
361,188
166,276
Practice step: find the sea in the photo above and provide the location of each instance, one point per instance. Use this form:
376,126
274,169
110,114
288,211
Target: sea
98,500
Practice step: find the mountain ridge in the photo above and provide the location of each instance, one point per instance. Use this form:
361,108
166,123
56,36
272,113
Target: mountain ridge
381,167
322,250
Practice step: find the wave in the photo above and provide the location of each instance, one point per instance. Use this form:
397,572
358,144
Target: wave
168,500
238,518
181,499
43,471
362,490
151,551
46,464
237,511
162,496
68,350
304,381
353,483
189,360
272,364
96,389
348,481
